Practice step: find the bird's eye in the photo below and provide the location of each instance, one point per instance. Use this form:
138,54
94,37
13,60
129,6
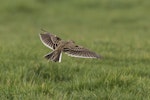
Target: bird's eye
58,38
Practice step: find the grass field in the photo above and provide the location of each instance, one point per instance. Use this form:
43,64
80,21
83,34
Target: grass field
119,30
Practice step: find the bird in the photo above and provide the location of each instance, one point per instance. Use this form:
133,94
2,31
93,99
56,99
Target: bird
59,46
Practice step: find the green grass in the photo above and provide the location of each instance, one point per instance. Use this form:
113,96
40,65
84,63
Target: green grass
118,30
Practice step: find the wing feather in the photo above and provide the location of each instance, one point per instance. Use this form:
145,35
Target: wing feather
49,40
78,51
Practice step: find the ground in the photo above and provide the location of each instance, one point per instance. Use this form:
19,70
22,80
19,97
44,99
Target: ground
118,30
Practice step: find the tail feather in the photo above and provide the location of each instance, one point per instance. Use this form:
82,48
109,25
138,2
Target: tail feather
54,56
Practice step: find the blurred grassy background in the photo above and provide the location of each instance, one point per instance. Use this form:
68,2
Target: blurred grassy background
119,30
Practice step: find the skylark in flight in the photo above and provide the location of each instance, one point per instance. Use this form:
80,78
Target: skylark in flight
69,47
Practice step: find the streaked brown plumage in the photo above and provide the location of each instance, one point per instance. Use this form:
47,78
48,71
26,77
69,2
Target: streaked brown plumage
69,47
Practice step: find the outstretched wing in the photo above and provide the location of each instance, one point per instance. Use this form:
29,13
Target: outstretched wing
81,52
49,40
